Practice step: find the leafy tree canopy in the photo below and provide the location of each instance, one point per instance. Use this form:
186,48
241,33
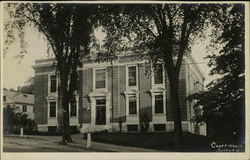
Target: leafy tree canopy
224,100
161,33
28,87
68,30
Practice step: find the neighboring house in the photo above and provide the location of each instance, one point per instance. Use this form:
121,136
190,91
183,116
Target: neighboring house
21,102
117,96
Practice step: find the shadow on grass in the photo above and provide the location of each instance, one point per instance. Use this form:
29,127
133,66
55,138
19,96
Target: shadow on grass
158,141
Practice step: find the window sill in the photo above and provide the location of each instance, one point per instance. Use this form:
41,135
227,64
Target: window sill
159,114
158,85
52,118
100,89
52,93
132,115
132,87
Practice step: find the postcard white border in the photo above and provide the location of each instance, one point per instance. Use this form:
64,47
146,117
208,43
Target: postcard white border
139,155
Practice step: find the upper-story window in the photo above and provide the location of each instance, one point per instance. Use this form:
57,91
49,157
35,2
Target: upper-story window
53,82
158,74
132,76
159,104
4,98
132,105
100,81
24,108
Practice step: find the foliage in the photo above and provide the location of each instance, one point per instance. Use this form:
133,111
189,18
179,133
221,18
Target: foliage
28,88
13,121
160,33
68,30
224,100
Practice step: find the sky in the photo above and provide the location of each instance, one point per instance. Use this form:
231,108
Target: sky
17,73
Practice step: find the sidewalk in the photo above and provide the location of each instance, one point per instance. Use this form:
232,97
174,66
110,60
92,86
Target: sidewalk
80,142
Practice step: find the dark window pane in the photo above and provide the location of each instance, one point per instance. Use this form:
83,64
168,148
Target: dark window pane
52,109
158,74
4,98
73,108
53,83
158,104
132,76
159,127
132,128
100,102
100,78
100,112
24,108
132,105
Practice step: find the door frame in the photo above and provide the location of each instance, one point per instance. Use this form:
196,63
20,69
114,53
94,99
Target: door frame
101,98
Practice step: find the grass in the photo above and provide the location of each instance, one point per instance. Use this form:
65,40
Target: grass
157,141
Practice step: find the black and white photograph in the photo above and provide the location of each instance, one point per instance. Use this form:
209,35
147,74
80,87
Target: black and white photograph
139,78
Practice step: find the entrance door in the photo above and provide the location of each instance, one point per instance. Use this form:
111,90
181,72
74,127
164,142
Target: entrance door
100,112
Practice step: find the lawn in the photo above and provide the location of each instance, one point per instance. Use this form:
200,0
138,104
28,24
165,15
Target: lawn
158,141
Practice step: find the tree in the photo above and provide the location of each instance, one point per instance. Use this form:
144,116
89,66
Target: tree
224,100
68,30
13,121
8,118
159,33
28,88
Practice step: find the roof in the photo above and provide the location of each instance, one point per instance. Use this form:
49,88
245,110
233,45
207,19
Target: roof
17,97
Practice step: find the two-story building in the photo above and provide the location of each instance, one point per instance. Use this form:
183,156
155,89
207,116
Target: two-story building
20,102
117,96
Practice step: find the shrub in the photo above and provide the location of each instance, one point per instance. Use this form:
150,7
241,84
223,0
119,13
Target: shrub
12,122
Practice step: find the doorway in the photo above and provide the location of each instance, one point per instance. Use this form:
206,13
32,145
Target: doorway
100,112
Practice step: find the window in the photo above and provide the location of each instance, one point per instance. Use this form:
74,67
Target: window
73,108
132,76
24,108
100,78
132,128
52,109
4,98
132,105
158,78
159,104
159,127
53,83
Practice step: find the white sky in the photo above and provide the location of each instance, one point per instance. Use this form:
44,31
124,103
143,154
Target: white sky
16,74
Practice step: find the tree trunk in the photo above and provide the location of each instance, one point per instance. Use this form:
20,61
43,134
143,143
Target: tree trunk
66,128
65,106
174,101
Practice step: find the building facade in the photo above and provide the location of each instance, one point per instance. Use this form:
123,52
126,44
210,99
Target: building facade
20,102
123,96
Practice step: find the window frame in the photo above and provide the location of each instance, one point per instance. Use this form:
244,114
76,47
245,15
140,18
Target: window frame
164,103
153,75
136,95
49,107
129,105
4,98
94,78
49,83
105,105
76,108
24,108
127,76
